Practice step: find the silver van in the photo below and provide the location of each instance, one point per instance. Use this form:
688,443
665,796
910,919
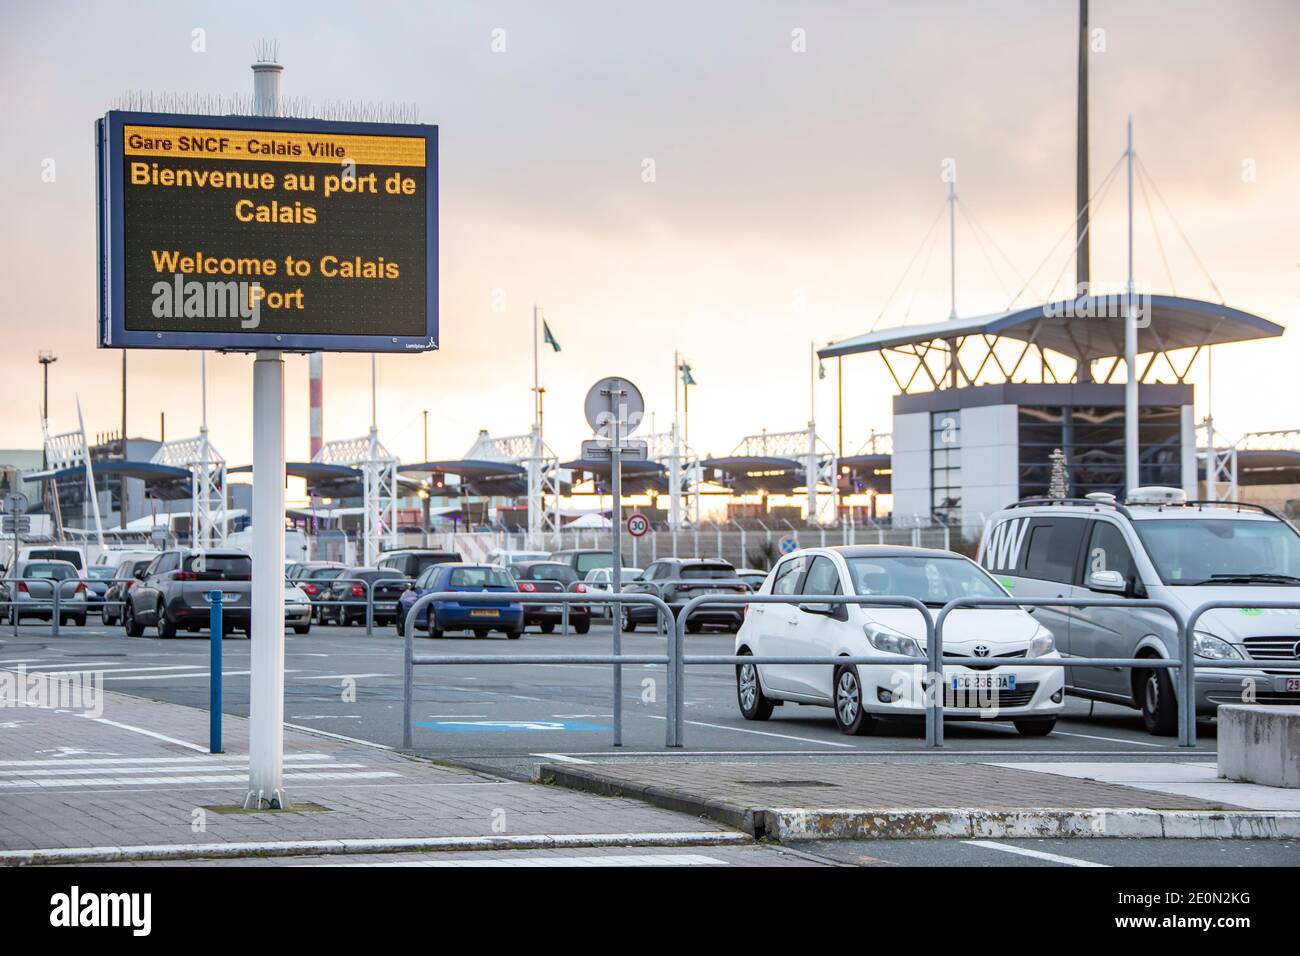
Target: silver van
1156,545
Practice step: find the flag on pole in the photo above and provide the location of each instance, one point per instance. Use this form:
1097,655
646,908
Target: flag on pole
686,375
548,338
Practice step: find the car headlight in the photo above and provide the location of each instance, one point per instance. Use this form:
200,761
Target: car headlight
891,642
1213,648
1041,644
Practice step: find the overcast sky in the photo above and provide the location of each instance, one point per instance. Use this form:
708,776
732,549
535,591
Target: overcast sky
791,189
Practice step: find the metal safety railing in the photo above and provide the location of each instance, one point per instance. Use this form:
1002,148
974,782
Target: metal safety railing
57,604
366,600
616,658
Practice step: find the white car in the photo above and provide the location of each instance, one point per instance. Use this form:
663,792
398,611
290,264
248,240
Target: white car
297,609
1031,697
598,579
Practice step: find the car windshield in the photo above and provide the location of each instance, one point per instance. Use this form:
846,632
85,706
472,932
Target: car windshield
480,578
57,554
1190,551
936,580
707,572
423,561
551,572
324,574
50,572
100,573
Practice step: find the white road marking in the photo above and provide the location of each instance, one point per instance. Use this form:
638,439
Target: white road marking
562,758
1035,854
122,669
342,676
325,716
1113,740
188,780
207,760
325,733
198,673
639,859
28,773
764,733
147,733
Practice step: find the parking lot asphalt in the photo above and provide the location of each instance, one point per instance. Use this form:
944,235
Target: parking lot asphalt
512,718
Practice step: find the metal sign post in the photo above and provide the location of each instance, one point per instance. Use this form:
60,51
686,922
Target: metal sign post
266,656
614,407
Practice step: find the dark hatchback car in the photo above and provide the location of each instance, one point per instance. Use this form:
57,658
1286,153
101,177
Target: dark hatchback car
125,574
98,581
676,581
413,562
315,579
388,587
535,577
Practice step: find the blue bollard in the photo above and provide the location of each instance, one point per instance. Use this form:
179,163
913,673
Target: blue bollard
214,673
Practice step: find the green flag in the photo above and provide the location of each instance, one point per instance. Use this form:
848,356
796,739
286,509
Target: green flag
686,375
548,338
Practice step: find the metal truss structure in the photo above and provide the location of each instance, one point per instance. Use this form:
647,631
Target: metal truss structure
71,450
821,465
544,476
207,470
379,483
684,476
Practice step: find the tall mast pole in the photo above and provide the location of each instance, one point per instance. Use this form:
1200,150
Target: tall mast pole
1082,251
1130,344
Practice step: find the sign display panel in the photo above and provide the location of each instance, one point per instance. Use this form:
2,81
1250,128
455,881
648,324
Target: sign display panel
246,233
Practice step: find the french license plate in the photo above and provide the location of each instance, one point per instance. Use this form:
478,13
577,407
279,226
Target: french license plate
227,597
551,609
1293,684
983,681
485,612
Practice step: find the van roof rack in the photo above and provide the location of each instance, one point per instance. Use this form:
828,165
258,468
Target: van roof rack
1236,506
1085,502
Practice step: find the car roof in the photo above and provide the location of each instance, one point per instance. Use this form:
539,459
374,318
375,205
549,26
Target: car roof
553,564
1212,511
697,561
882,551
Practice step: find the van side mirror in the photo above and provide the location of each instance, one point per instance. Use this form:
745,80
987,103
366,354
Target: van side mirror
138,575
1111,581
820,608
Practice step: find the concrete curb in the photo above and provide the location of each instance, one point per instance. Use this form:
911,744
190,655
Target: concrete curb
914,823
227,851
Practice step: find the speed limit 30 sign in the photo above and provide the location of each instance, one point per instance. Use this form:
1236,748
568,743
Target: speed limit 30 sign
638,525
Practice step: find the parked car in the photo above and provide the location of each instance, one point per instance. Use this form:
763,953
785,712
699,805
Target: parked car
751,577
316,578
412,562
47,552
541,577
860,695
98,578
124,574
297,609
32,594
114,557
505,557
388,586
676,581
583,560
171,593
506,616
599,579
1160,546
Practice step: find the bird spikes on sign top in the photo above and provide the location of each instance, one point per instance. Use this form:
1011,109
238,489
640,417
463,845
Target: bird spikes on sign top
242,104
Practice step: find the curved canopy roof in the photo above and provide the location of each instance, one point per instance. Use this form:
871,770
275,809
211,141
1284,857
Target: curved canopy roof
750,474
325,481
867,473
164,482
638,476
478,477
1091,328
1265,467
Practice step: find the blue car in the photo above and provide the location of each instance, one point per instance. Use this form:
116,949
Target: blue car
479,618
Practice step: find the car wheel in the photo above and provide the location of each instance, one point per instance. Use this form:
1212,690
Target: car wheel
1036,727
398,625
514,633
628,625
1159,709
850,716
548,628
435,632
754,704
166,629
132,626
583,626
302,628
692,627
